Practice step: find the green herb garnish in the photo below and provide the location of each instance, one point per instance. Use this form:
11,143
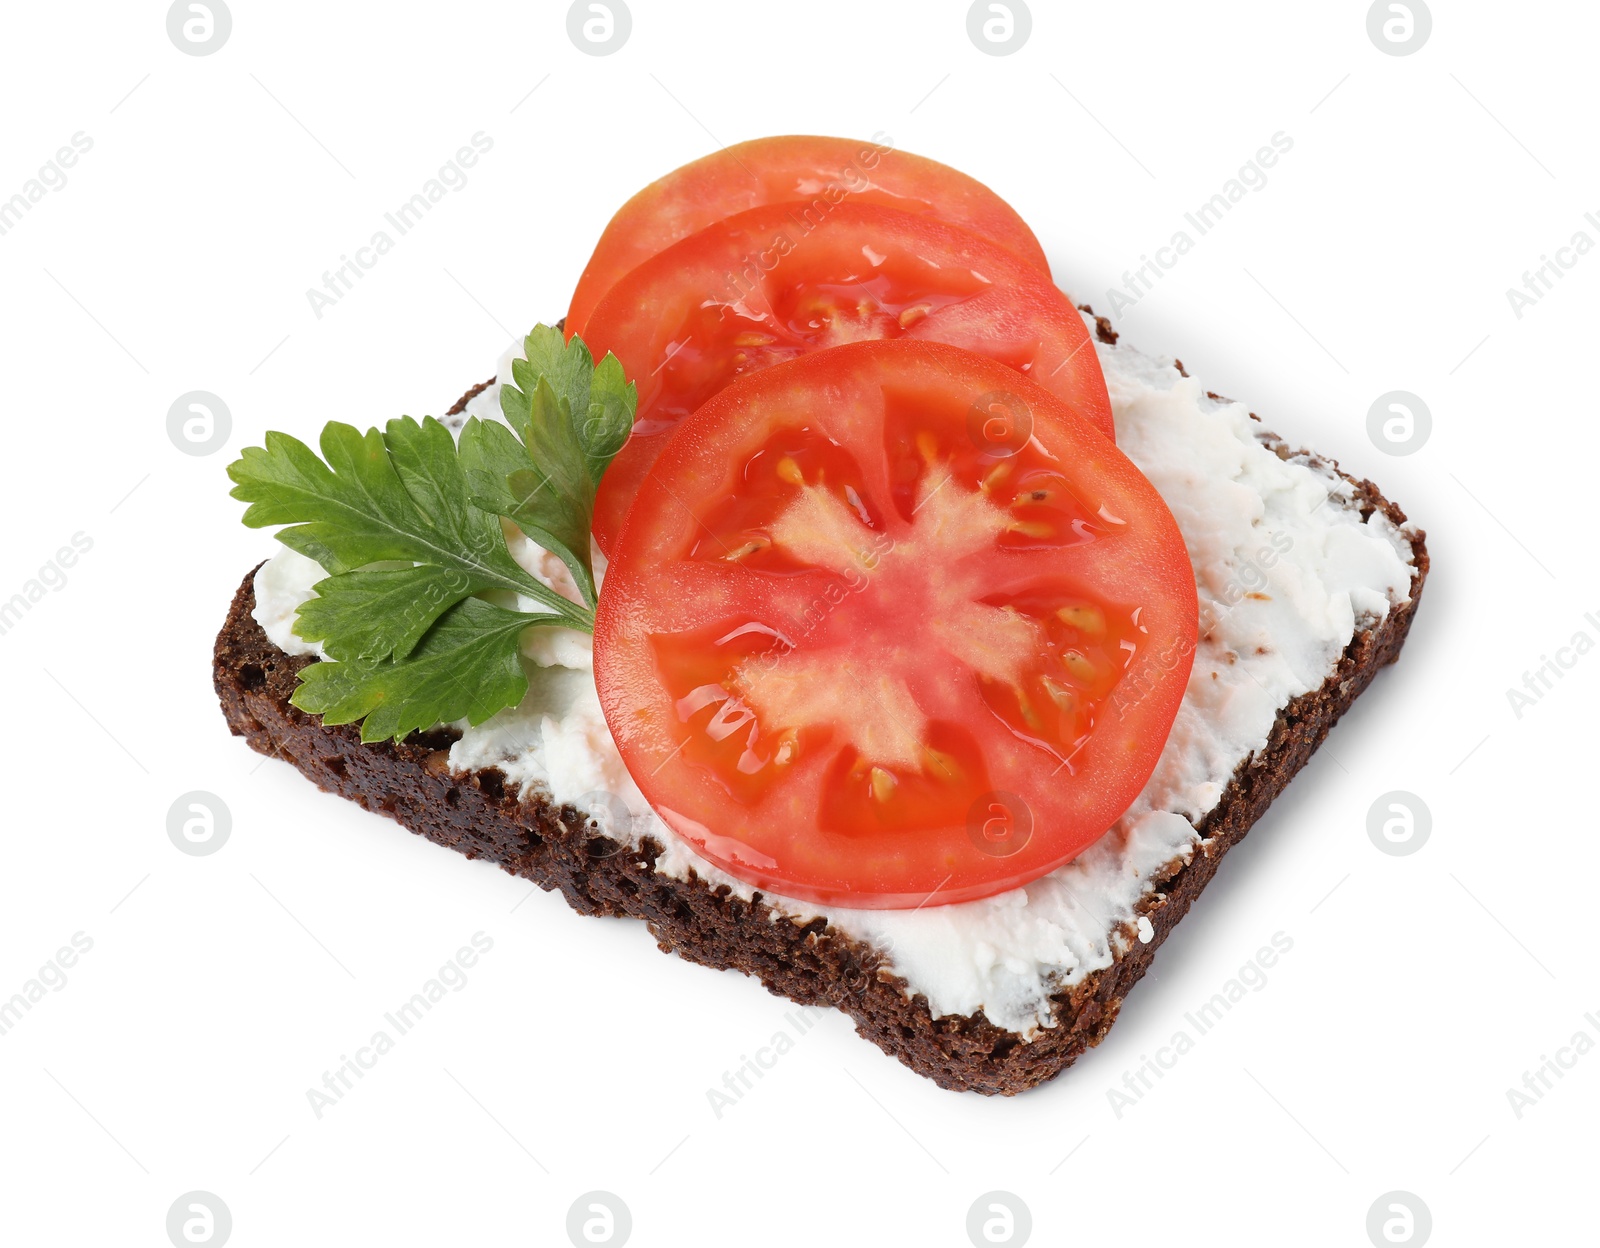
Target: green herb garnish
416,615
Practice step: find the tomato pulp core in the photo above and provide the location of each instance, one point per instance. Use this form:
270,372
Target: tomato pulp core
729,336
888,617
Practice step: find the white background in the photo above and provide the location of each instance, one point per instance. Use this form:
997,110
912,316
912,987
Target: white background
177,257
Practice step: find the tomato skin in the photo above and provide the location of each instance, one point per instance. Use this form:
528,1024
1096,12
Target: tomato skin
773,283
784,169
858,761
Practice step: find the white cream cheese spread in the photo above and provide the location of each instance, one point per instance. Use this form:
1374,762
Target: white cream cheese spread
1285,573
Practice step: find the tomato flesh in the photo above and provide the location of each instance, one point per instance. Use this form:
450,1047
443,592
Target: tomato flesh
768,286
805,170
846,624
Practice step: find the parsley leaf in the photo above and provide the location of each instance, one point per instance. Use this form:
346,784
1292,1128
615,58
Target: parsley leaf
396,496
414,614
571,417
468,666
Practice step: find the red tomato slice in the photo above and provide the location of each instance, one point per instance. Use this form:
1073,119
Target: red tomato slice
766,286
891,626
819,173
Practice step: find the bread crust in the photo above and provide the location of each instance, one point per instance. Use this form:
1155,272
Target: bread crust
478,815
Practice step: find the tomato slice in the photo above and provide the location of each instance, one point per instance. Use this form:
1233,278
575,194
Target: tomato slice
815,173
766,286
892,626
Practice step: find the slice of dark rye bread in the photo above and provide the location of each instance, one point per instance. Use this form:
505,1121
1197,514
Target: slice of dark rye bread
478,815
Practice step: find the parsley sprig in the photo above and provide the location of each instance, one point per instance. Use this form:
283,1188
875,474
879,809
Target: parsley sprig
417,614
